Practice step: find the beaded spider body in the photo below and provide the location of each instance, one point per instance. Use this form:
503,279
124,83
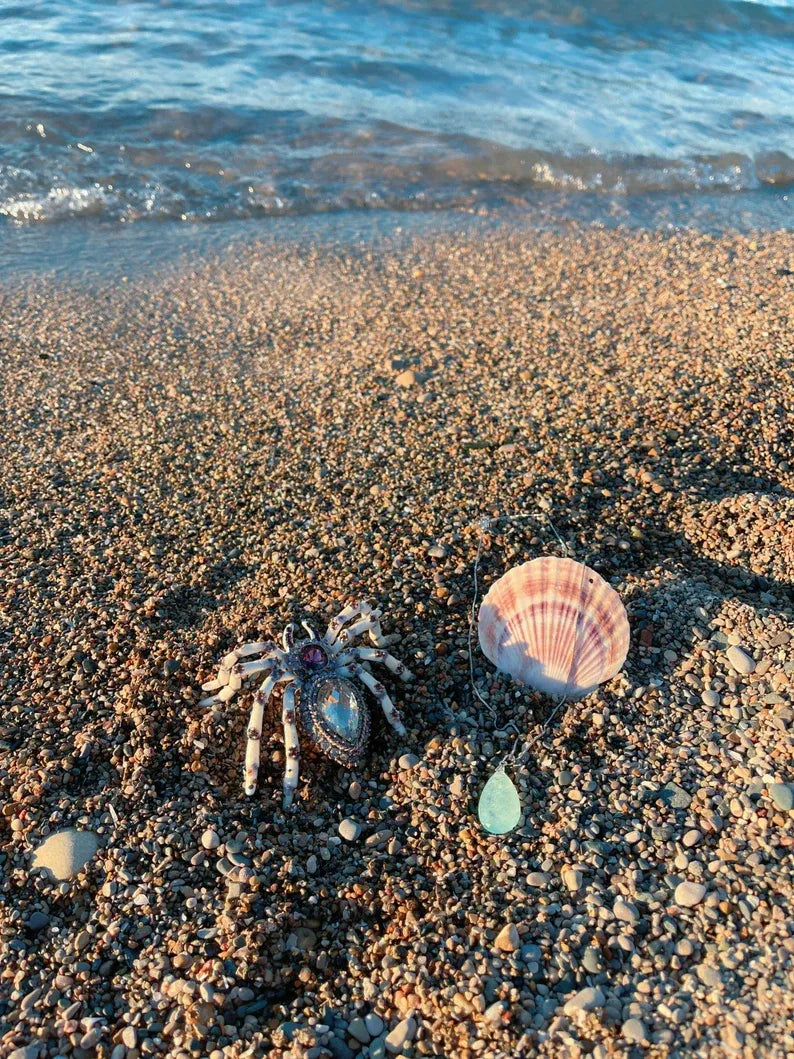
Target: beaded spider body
319,672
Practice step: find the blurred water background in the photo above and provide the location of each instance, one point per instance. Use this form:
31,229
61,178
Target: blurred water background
638,111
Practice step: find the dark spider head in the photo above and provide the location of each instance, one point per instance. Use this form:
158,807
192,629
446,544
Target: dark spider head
310,655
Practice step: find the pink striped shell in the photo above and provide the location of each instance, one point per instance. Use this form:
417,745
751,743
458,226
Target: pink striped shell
556,625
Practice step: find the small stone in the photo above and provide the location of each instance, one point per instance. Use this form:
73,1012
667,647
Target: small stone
572,879
740,660
675,796
634,1030
407,378
710,699
83,940
129,1037
407,761
585,1000
495,1011
65,853
508,939
708,975
564,778
692,837
402,1033
38,921
592,960
28,1051
782,794
349,829
537,878
210,839
689,894
374,1023
357,1029
437,551
625,911
170,666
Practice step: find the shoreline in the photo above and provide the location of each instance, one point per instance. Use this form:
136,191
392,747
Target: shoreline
211,449
90,249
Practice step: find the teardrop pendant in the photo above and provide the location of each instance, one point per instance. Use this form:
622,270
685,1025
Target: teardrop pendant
499,808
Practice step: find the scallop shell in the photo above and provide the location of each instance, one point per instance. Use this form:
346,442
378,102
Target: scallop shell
556,625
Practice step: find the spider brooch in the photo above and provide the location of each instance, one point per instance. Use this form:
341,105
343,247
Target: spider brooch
320,672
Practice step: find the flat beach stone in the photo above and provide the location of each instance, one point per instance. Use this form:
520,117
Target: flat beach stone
402,1033
65,853
740,660
782,794
508,938
585,1000
349,829
634,1030
689,894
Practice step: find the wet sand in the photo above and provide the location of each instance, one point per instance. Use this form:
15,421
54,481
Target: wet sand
194,458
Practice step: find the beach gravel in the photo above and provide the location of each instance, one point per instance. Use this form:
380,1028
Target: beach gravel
198,455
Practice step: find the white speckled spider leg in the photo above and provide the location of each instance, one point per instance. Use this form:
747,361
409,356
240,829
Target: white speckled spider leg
376,654
255,727
368,624
291,745
355,610
230,681
381,695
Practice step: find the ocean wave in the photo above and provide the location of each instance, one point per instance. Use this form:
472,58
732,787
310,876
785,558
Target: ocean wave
335,181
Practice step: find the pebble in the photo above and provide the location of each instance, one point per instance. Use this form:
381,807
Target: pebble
407,378
625,911
710,699
592,960
402,1034
740,660
407,761
676,796
65,853
634,1030
585,1000
349,829
508,938
782,794
129,1037
688,894
358,1030
708,975
38,921
210,839
374,1023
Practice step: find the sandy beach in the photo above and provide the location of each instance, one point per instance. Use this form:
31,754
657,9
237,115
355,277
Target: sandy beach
195,457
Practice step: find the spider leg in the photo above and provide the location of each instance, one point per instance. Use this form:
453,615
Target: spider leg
255,727
291,746
370,624
229,681
355,610
381,695
376,654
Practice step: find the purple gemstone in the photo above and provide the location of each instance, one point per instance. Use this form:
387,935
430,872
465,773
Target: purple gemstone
313,656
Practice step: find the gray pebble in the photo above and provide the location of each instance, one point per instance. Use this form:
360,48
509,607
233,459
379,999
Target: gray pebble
634,1030
782,794
689,894
585,1000
349,829
740,660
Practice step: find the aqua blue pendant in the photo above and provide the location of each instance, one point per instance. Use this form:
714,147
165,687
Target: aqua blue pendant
499,808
